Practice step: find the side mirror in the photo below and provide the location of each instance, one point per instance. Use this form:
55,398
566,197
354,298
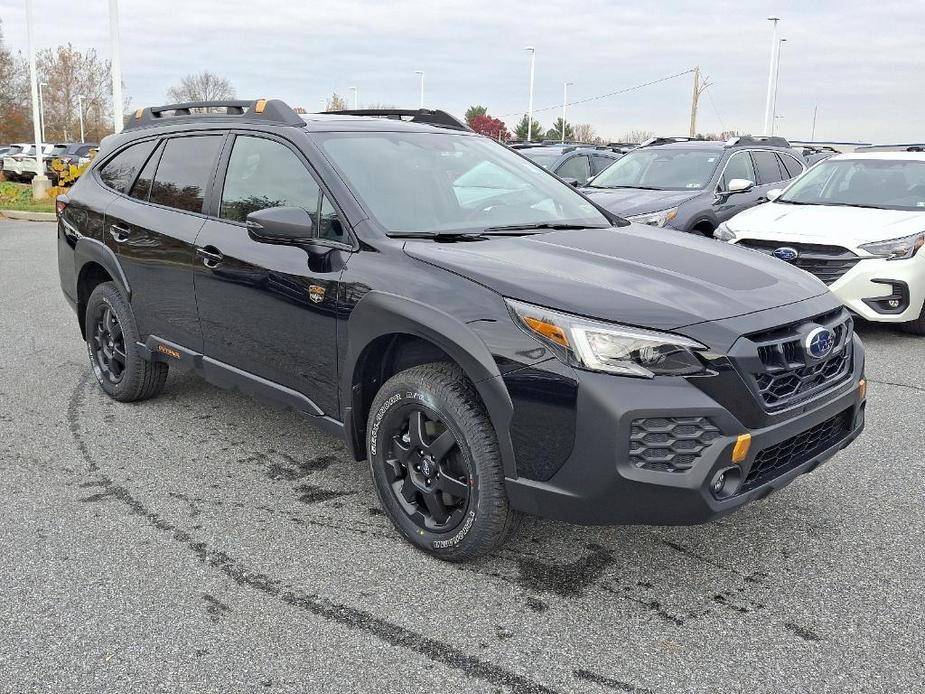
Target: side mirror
283,225
739,185
772,195
572,181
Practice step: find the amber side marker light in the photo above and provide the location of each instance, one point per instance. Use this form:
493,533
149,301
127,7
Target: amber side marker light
547,330
740,450
862,389
260,105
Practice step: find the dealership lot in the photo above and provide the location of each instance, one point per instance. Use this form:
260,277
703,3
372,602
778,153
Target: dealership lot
203,540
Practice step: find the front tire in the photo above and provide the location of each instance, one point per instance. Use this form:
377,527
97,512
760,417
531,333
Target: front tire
434,459
112,338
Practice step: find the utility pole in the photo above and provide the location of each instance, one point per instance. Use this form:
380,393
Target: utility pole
116,67
564,104
40,183
80,113
812,136
532,51
780,45
774,46
699,88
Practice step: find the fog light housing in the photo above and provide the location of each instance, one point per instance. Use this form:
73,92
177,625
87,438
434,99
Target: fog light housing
726,482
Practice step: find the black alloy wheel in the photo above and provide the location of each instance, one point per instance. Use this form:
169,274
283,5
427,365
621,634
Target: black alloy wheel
425,471
108,343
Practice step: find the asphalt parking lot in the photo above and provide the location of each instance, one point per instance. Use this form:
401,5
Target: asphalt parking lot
203,542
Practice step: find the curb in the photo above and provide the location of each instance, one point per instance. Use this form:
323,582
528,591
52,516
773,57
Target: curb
29,216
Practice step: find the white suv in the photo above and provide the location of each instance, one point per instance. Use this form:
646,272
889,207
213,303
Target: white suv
855,221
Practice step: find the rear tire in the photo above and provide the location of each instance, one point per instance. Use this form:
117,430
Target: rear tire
112,338
435,461
917,326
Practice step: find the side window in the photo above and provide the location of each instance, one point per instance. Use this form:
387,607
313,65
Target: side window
599,163
184,171
120,171
791,165
738,166
577,167
262,174
768,167
142,187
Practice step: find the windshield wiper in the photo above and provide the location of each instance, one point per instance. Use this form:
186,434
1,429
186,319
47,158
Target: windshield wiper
539,225
438,235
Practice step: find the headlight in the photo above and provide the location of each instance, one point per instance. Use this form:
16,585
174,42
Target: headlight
655,219
897,249
609,347
724,233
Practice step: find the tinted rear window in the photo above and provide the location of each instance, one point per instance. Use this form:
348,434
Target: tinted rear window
792,165
120,171
184,171
768,167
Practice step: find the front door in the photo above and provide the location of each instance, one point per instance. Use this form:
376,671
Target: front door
152,230
269,309
728,205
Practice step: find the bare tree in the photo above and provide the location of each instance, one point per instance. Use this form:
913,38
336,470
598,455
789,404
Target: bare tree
201,86
336,103
15,123
584,132
637,136
70,74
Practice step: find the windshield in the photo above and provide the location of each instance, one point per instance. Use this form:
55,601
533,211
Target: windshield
887,184
441,182
661,169
544,159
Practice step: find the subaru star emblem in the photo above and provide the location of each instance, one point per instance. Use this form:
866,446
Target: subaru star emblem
819,343
786,253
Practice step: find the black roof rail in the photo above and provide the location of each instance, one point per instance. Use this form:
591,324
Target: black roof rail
654,141
263,110
418,115
892,148
769,140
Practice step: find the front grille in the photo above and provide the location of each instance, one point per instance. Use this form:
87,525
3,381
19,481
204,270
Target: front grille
670,444
828,263
784,374
780,458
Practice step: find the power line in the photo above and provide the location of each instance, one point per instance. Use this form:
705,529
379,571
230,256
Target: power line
605,96
716,111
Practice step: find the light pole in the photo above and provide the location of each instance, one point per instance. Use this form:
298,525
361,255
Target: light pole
565,86
532,51
420,73
40,182
355,102
42,109
780,45
80,113
116,67
774,46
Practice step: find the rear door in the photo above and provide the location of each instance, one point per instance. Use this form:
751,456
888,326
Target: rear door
268,309
769,170
151,227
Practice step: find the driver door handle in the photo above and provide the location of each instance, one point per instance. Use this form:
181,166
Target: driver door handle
119,234
211,257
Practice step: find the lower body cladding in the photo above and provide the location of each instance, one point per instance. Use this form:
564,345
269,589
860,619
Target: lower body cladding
661,452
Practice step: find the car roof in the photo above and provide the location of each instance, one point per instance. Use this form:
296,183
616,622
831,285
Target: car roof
338,122
898,156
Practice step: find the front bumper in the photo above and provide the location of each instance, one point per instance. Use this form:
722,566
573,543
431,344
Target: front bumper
873,278
598,485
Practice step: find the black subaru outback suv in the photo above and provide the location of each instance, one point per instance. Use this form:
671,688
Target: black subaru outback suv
489,339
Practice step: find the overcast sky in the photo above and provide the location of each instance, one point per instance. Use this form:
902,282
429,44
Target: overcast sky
861,63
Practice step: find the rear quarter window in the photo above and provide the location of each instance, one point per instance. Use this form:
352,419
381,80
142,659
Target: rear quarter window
119,172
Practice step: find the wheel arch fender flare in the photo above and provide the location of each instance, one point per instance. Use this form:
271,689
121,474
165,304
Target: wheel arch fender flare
379,314
88,250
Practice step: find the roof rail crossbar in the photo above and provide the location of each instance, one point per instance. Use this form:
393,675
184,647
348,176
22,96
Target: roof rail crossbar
892,148
419,115
264,110
664,141
770,140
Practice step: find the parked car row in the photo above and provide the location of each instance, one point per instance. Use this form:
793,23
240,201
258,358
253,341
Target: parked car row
19,160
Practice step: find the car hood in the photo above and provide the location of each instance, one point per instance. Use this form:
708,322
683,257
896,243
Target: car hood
840,225
630,201
638,275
